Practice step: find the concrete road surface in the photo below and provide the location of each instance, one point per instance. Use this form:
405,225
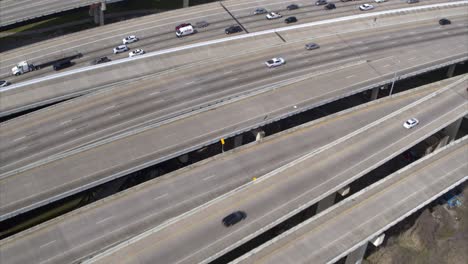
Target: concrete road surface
200,237
95,227
329,237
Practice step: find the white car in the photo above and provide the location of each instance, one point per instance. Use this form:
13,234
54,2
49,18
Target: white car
410,123
366,7
275,62
136,53
130,39
273,15
120,49
380,1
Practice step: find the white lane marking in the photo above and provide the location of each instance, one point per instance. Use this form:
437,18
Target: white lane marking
190,82
103,220
153,93
393,42
115,115
386,65
209,177
412,58
109,107
46,244
359,42
228,72
336,54
69,131
66,122
159,197
21,148
17,139
364,48
234,79
350,76
387,37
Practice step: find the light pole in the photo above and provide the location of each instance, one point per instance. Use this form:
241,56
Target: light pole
394,75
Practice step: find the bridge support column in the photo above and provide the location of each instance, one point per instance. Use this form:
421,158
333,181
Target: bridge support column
330,199
452,129
357,255
102,8
375,93
451,70
183,158
258,134
186,3
443,142
238,141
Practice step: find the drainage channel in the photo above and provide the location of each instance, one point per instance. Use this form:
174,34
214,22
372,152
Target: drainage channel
29,219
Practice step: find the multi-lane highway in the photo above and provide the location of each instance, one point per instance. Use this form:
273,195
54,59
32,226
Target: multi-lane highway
13,11
292,187
156,32
116,218
330,236
364,61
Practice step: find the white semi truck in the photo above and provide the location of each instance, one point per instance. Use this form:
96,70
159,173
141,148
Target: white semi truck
25,66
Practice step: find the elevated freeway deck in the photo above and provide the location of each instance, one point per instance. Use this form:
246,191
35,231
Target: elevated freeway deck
336,232
289,189
68,84
95,227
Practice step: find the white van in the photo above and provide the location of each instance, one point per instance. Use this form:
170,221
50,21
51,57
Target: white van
184,31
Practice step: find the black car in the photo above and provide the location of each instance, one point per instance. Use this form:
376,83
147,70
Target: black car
4,83
62,64
444,21
321,2
330,6
233,29
100,60
290,20
292,7
234,218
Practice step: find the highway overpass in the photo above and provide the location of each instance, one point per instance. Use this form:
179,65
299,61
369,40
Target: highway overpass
156,32
328,237
93,228
291,188
14,11
64,138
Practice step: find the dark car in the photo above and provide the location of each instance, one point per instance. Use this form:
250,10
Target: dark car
233,29
4,83
182,25
292,7
234,218
62,64
444,21
100,60
201,24
290,20
330,6
259,11
321,2
311,46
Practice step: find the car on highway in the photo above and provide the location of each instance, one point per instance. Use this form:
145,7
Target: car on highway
412,1
100,60
120,49
233,29
366,7
62,64
136,53
201,24
292,7
410,123
311,46
380,1
129,39
234,218
4,83
330,6
182,25
273,15
290,20
275,62
321,2
259,11
444,21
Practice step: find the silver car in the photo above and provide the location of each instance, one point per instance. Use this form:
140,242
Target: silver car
311,46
